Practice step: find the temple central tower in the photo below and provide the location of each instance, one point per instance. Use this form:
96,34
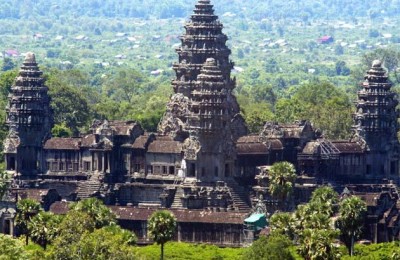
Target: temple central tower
203,40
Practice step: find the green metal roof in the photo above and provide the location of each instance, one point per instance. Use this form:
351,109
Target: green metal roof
254,218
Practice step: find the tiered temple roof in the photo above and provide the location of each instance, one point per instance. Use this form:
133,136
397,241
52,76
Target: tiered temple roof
28,106
203,40
376,115
209,111
28,101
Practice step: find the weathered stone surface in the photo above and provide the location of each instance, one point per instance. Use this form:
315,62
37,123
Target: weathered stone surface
203,45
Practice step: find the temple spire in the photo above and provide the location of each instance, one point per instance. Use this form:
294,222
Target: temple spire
376,115
30,58
203,41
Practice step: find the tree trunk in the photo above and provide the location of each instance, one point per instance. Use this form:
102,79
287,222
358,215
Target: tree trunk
26,239
162,251
352,245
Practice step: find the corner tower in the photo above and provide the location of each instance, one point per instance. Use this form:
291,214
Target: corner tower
203,39
29,118
376,123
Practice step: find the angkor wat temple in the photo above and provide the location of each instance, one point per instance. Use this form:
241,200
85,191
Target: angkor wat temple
202,164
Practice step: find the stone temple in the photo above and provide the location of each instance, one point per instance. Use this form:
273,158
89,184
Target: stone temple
201,164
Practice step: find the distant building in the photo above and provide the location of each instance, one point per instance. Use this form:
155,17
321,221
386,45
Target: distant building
325,39
11,53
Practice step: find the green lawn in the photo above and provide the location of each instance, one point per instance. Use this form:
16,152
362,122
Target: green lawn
185,251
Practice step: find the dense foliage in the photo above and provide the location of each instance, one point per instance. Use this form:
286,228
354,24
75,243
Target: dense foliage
311,225
11,249
273,247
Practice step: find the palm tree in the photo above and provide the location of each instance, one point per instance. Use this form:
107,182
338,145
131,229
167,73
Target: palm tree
284,223
325,200
318,244
350,222
161,227
282,176
26,210
43,228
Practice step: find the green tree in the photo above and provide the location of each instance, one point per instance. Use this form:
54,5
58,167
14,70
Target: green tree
100,214
79,239
318,244
4,183
43,228
320,102
26,210
341,68
263,93
68,99
339,50
282,176
11,249
351,219
325,200
8,64
151,115
274,247
308,216
70,107
284,223
61,130
288,110
256,114
161,227
6,81
109,242
124,85
71,229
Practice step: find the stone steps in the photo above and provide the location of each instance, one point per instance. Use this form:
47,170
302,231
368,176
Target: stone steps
177,204
240,197
87,189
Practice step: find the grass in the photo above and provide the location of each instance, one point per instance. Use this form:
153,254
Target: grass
185,251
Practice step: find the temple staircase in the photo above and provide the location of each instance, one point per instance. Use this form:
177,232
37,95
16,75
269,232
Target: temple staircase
88,189
240,197
177,204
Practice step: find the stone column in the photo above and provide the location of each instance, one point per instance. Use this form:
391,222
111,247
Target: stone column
103,163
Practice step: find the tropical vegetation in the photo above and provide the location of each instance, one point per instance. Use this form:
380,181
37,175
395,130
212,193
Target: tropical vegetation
161,226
